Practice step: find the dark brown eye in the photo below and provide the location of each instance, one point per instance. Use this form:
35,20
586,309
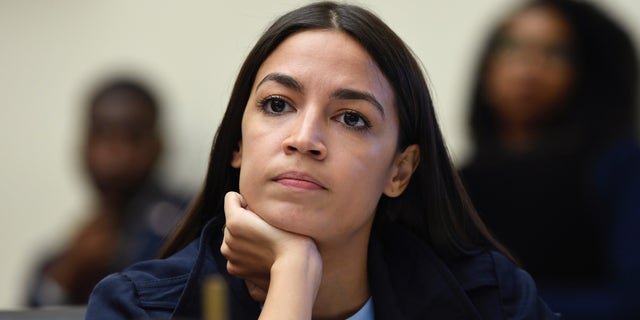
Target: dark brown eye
351,119
354,120
277,105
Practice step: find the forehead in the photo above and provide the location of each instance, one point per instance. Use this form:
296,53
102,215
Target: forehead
539,23
327,57
320,46
122,108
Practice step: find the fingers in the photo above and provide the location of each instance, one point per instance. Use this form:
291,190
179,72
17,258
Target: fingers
232,202
240,222
247,261
247,250
238,219
242,244
246,243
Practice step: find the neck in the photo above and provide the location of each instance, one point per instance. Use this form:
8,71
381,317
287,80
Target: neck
519,138
344,288
117,199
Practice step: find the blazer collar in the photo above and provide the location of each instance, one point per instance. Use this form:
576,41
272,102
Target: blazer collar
409,281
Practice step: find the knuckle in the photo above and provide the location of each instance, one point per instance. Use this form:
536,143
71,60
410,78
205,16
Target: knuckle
233,269
225,250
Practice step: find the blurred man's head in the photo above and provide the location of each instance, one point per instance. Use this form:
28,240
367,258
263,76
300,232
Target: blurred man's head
122,143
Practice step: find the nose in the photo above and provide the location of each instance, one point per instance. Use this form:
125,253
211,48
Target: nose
528,67
306,136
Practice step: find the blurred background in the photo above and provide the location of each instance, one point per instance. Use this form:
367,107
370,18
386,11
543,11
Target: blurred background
52,53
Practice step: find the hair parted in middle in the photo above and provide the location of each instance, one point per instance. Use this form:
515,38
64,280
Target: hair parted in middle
434,206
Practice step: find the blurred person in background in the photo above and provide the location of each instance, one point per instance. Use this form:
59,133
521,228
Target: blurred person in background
132,213
556,167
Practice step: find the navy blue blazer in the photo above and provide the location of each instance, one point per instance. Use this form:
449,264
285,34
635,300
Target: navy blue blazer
407,280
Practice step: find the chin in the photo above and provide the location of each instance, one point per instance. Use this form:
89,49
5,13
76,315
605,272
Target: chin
290,217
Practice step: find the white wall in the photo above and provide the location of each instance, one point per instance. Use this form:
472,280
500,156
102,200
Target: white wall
52,51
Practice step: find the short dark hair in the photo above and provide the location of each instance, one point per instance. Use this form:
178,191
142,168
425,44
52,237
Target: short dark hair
434,206
130,85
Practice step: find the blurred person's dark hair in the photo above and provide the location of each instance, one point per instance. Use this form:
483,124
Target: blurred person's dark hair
127,84
603,102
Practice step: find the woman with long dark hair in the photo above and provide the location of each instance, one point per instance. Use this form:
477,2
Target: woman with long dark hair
329,194
556,168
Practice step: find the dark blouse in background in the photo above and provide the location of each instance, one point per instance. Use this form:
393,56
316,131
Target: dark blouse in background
572,218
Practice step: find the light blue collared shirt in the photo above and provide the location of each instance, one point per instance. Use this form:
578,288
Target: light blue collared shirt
365,313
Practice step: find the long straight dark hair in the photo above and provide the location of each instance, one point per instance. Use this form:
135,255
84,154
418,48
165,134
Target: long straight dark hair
434,207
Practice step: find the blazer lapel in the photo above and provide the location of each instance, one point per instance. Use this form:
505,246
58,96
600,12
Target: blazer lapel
409,281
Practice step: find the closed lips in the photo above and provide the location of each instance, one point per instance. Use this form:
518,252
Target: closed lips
299,180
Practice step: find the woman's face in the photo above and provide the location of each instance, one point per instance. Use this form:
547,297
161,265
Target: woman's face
530,72
319,137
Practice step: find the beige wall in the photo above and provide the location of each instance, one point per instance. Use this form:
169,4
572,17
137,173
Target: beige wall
52,51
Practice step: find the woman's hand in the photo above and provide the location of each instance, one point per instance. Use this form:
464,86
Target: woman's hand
281,268
247,258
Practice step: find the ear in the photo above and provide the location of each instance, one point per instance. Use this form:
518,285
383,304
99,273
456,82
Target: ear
404,165
237,157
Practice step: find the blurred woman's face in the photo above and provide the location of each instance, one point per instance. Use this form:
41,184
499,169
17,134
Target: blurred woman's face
530,73
319,138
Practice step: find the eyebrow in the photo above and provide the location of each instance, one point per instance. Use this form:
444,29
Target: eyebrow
282,79
350,94
341,94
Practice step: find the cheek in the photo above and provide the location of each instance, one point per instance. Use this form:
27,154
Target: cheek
258,149
496,80
248,166
361,188
363,178
559,83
